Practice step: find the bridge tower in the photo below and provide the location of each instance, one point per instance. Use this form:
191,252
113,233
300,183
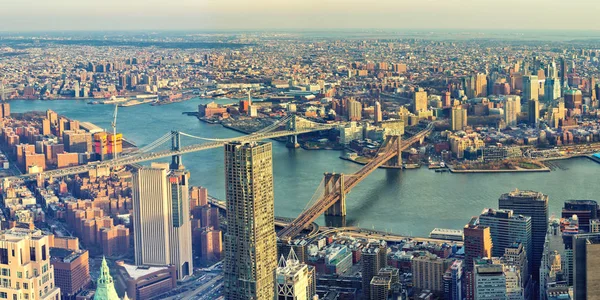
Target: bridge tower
292,141
335,215
175,146
396,141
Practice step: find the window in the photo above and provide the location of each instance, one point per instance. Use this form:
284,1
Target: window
3,295
18,285
43,252
5,272
20,274
25,285
32,254
3,256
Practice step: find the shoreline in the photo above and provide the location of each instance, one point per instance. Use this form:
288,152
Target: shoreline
452,170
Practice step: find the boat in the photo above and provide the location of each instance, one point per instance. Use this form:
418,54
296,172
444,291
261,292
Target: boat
136,102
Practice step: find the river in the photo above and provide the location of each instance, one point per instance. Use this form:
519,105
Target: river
410,202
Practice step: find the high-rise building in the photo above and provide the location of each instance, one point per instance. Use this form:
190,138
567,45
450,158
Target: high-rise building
585,210
507,229
105,286
534,112
380,288
161,218
458,118
453,281
25,264
530,87
428,273
71,270
295,280
477,244
551,89
586,262
354,110
512,107
535,205
573,99
481,85
378,113
250,251
490,282
373,257
419,102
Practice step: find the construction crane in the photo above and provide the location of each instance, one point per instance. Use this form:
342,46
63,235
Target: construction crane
114,128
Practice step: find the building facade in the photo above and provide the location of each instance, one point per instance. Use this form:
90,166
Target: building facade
250,242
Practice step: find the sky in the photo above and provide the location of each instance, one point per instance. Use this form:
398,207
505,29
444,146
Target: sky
45,15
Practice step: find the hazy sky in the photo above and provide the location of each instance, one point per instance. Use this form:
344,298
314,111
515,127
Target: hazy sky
27,15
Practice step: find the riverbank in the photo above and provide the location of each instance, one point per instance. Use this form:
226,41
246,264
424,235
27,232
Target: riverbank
518,170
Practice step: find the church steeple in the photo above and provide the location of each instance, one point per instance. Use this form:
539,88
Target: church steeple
105,289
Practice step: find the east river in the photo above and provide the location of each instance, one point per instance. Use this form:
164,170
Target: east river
410,202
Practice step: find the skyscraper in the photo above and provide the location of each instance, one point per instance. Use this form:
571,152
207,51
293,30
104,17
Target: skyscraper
490,281
477,244
573,99
506,229
105,286
481,85
534,112
458,118
250,242
374,257
419,102
378,113
530,87
585,210
161,217
586,261
25,265
295,280
535,205
511,110
354,110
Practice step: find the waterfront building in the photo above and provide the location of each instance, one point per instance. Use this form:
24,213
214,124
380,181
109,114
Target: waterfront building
250,253
161,218
507,229
458,118
419,101
535,205
295,280
586,261
105,286
25,263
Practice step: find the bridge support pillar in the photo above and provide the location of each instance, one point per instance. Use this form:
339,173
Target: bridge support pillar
335,215
397,143
175,146
292,142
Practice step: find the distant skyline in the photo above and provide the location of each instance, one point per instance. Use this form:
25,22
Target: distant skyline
48,15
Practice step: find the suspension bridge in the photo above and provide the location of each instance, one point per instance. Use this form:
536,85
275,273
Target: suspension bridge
330,197
290,126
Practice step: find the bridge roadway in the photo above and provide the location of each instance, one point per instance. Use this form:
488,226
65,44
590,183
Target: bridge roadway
312,213
137,158
352,231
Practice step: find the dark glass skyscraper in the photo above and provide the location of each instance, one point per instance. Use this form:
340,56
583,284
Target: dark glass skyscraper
535,205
